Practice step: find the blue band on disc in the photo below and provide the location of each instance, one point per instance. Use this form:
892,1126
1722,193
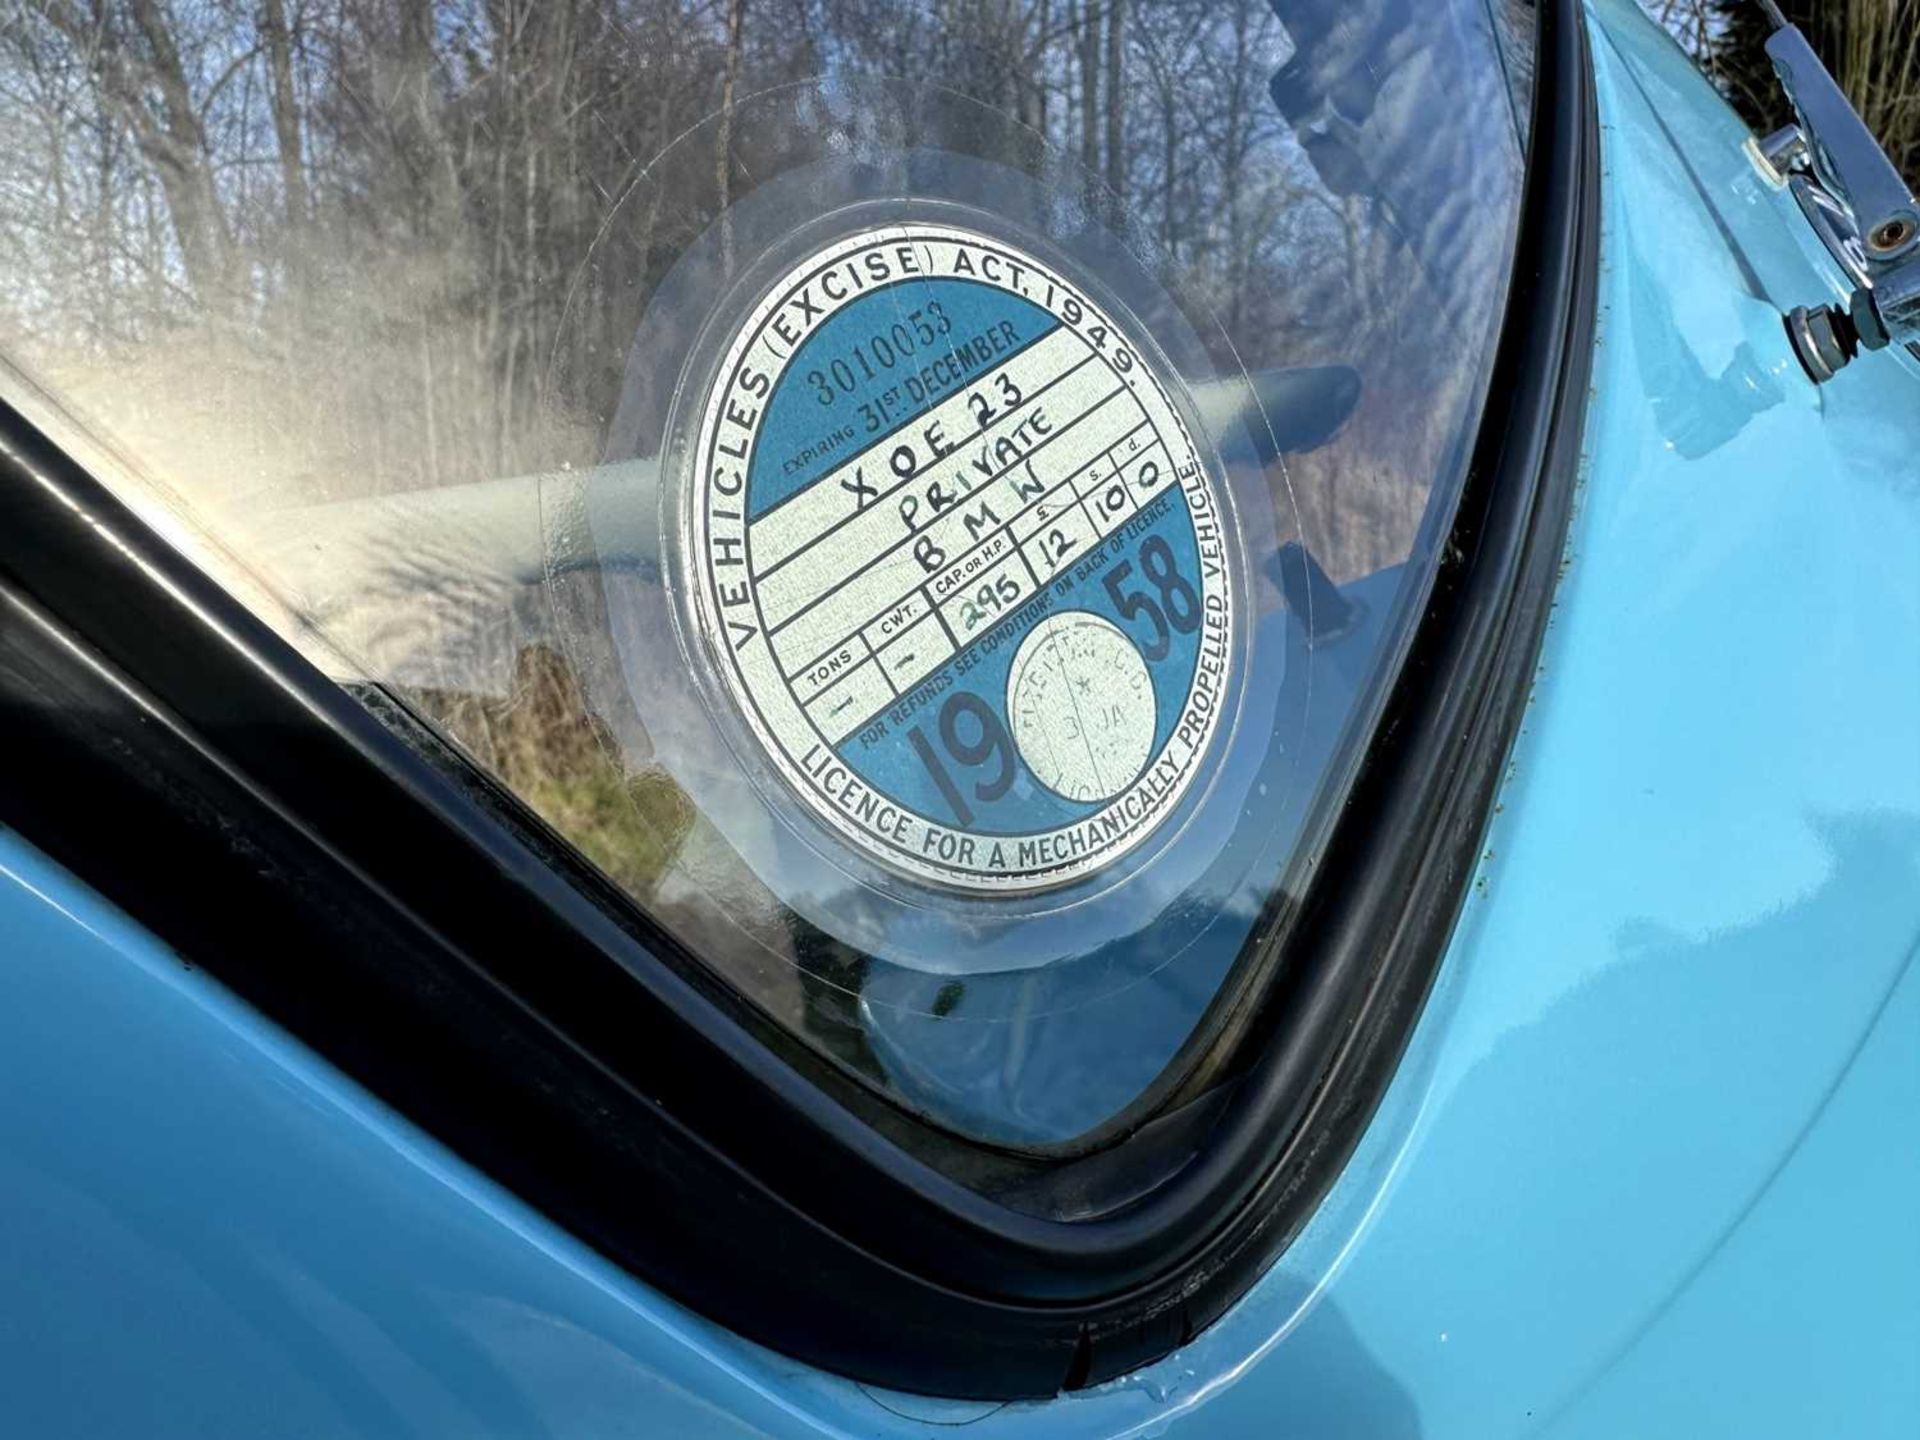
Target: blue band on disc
959,562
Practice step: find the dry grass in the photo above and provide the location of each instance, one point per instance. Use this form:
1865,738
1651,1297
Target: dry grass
543,742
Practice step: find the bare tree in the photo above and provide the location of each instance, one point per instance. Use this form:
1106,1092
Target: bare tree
142,77
1086,25
723,165
278,41
1116,100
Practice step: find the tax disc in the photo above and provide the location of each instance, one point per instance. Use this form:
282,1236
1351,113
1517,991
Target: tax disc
957,561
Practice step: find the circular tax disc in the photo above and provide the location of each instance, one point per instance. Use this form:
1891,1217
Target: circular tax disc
1080,700
958,562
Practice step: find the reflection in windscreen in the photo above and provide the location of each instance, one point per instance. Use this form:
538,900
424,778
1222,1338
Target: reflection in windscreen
354,287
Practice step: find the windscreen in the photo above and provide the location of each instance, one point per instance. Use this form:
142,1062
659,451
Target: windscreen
927,498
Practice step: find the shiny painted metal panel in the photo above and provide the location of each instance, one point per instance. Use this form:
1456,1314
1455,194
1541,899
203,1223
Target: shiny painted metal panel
204,1232
1650,1165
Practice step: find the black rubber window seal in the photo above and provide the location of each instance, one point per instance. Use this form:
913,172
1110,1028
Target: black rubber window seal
384,907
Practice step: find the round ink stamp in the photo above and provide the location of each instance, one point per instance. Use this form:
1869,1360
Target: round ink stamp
957,561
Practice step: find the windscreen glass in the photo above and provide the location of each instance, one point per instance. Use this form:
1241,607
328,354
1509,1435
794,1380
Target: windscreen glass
926,497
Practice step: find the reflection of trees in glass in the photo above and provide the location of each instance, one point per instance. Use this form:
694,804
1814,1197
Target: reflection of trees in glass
287,251
327,249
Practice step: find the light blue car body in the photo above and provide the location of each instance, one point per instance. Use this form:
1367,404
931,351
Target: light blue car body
1650,1167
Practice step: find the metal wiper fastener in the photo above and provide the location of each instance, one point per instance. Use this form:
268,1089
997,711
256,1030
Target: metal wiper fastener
1851,176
